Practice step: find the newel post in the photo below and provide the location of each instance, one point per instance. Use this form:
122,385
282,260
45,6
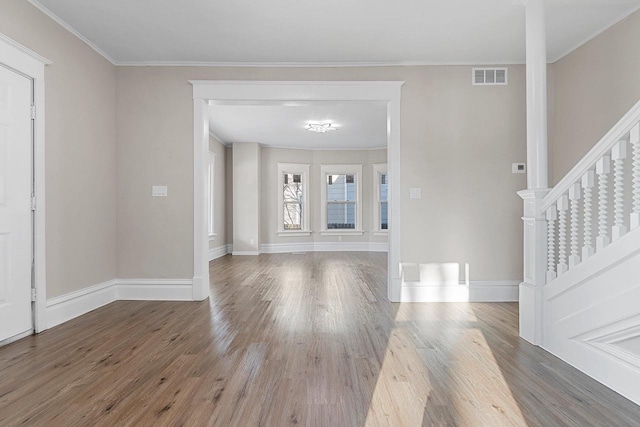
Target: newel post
535,224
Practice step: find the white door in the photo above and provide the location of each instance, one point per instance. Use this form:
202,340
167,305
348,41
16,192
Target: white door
15,204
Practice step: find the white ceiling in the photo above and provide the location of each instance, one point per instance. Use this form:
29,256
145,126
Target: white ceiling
328,32
360,125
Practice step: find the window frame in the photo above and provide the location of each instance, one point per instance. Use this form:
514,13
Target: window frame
348,169
297,169
379,169
211,170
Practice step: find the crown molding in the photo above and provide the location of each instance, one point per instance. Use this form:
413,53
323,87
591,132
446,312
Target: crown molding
311,64
72,30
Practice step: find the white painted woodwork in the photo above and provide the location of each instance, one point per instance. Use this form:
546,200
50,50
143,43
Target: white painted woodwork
618,154
536,54
257,92
552,215
588,182
635,143
535,266
15,204
574,198
29,63
603,168
563,206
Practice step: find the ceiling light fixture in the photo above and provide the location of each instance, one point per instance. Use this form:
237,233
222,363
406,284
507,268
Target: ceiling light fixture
320,127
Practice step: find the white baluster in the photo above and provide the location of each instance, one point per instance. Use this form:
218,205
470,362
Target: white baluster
603,168
552,215
574,197
635,142
563,205
618,154
588,182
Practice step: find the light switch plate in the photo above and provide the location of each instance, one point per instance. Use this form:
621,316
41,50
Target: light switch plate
159,191
518,168
415,193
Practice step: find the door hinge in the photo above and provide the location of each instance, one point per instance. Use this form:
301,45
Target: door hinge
33,294
33,203
33,112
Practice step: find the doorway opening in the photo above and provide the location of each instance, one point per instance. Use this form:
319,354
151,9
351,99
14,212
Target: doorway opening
260,93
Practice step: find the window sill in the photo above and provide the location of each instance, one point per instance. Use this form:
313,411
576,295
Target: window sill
342,233
293,233
381,233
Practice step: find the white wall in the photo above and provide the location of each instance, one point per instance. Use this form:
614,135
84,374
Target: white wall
270,157
80,153
246,197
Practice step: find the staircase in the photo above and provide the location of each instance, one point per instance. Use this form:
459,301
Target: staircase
590,300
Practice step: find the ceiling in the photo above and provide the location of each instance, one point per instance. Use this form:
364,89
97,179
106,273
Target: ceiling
360,125
339,32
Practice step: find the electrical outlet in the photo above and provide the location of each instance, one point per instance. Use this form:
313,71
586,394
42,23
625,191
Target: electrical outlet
339,238
159,191
253,241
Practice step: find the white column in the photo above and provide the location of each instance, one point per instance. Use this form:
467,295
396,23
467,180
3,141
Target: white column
535,223
537,176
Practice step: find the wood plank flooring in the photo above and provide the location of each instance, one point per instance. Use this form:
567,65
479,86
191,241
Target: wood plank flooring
307,340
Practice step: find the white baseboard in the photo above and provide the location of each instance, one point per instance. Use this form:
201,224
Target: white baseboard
155,289
477,291
279,248
218,252
245,253
69,306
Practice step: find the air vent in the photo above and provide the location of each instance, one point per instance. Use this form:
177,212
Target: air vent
489,76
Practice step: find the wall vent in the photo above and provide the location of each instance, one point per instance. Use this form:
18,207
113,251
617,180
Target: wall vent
489,76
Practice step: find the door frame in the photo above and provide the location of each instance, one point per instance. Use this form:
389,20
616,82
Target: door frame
24,61
247,91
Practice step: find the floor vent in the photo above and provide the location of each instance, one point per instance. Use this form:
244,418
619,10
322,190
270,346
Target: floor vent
489,76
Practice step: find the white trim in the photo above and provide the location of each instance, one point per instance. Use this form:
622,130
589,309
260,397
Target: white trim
378,169
345,232
248,91
279,248
155,289
217,138
303,170
345,64
27,62
293,233
218,252
72,30
211,190
69,306
243,253
338,169
74,304
477,291
39,58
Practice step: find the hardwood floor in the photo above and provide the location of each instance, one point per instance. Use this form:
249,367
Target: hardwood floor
297,340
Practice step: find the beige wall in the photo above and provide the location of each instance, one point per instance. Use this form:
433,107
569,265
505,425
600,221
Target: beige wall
270,157
220,196
458,143
80,153
593,87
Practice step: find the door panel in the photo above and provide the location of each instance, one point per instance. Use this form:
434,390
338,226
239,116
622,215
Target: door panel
15,204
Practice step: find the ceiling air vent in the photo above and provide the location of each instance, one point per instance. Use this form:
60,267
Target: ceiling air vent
489,76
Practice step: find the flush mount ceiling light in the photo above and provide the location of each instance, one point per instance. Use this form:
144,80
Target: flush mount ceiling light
320,127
